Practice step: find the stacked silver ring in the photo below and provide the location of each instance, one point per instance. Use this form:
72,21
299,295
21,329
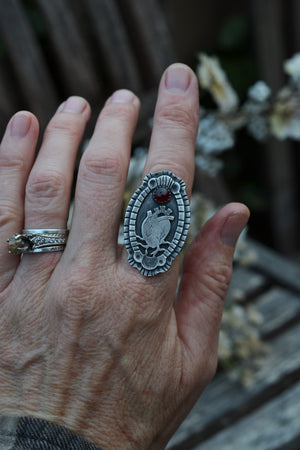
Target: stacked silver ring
36,240
155,227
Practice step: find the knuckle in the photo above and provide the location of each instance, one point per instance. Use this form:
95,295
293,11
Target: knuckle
218,279
9,162
46,186
64,124
141,307
177,117
77,289
122,112
77,298
96,168
7,215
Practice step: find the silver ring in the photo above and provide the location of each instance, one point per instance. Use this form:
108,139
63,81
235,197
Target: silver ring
37,240
156,223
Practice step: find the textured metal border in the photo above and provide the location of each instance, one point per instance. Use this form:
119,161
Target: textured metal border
177,187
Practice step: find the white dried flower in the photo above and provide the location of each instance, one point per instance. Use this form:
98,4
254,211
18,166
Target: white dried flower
259,92
254,316
213,78
213,135
225,346
238,295
283,129
202,209
258,127
285,118
252,108
292,68
209,164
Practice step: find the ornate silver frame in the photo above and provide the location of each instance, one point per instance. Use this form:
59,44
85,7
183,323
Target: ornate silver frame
155,231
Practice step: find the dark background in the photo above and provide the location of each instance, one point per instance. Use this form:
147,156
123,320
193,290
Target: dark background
50,49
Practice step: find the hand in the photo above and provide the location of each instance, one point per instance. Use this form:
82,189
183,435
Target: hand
86,340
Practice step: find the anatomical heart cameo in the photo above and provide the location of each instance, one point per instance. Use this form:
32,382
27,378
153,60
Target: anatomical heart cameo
156,222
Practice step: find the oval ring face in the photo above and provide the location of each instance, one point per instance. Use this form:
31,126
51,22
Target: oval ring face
156,223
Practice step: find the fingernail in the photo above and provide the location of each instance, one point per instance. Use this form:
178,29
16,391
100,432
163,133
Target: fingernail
20,125
122,96
232,229
73,105
178,78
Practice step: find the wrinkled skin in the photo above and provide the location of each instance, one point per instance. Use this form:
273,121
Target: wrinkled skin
86,340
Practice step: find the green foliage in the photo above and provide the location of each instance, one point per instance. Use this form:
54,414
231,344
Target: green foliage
233,35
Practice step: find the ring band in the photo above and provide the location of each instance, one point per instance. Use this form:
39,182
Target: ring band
37,240
156,223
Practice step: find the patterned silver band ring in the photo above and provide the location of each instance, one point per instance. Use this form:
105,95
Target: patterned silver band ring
38,240
156,222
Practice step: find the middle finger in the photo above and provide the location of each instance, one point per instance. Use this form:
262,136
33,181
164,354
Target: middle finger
101,179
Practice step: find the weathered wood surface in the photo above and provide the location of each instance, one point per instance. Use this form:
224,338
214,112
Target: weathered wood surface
74,62
220,418
245,284
53,49
273,426
225,400
112,37
279,308
278,269
27,59
151,37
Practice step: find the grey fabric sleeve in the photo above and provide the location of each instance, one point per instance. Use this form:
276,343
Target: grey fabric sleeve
27,433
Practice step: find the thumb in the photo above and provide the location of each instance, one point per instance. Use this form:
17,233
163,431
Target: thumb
207,271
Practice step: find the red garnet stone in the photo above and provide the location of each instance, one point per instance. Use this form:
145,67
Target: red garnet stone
162,195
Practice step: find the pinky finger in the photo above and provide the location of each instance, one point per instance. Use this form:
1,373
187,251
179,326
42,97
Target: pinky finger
17,152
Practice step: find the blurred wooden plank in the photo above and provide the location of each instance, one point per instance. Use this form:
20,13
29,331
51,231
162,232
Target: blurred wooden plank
73,55
150,36
273,426
269,47
279,308
225,401
27,60
245,284
118,59
279,269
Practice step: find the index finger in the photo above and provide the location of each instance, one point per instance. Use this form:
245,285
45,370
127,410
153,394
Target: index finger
172,149
175,125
